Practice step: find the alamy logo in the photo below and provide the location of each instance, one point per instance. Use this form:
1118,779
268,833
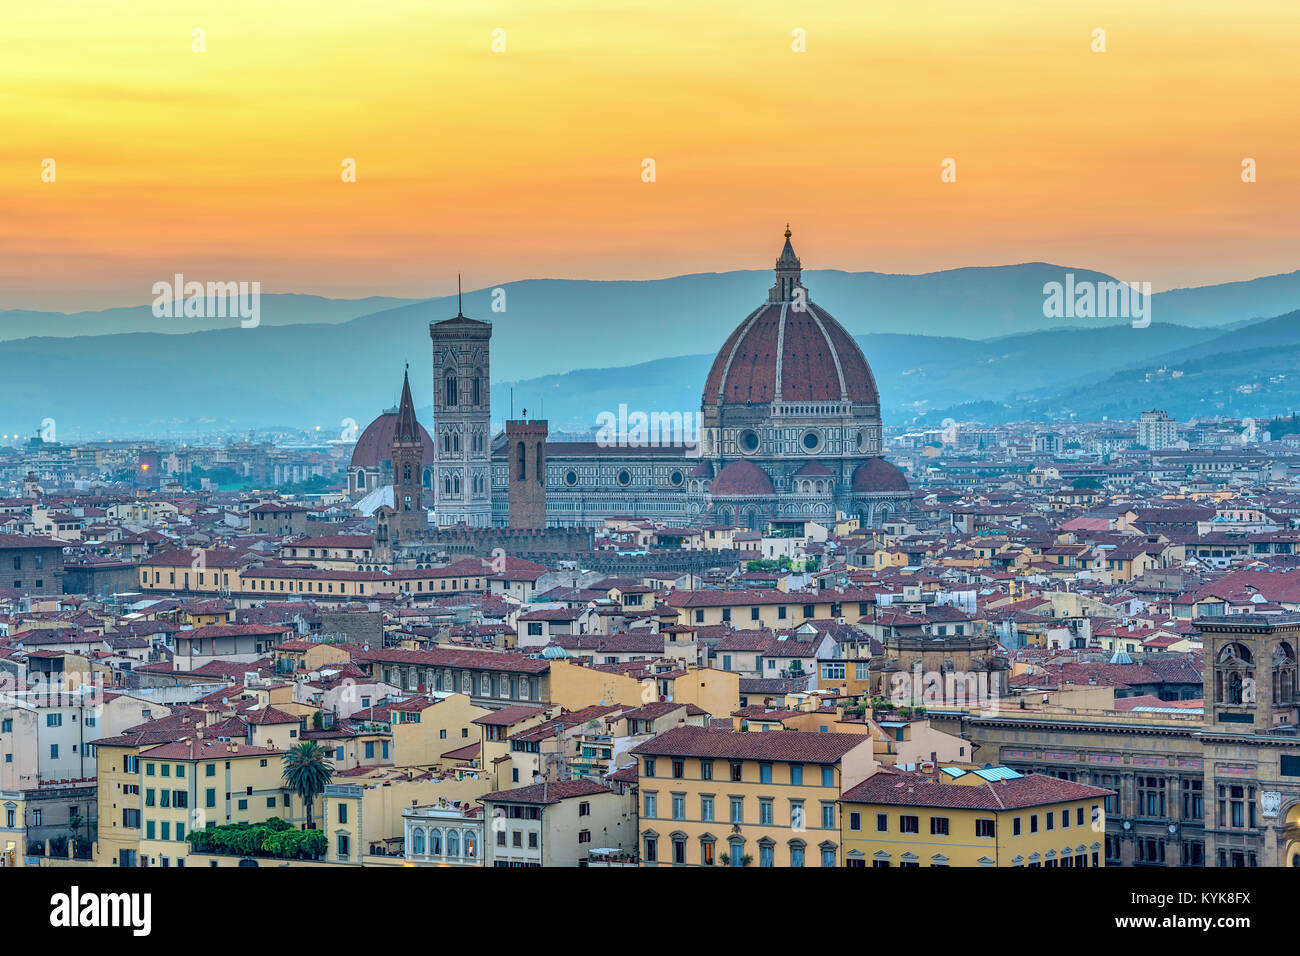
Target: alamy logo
647,430
1098,300
216,300
72,910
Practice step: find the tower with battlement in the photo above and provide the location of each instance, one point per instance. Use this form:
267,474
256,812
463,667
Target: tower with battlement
526,457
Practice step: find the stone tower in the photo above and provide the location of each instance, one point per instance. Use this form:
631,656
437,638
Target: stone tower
526,457
1250,672
462,412
409,520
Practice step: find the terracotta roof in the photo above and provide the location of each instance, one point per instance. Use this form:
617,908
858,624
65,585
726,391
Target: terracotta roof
742,478
545,794
772,745
910,789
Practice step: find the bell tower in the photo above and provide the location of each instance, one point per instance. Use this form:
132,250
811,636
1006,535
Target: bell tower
462,414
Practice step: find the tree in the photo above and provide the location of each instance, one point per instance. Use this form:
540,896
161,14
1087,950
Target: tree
307,771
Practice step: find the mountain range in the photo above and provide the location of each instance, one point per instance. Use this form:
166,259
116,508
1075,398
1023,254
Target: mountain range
967,343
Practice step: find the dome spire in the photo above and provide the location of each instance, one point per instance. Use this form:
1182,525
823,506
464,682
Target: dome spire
789,273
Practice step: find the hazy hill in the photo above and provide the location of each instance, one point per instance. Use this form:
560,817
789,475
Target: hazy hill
275,310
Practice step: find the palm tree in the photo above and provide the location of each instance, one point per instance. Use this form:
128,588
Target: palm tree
306,772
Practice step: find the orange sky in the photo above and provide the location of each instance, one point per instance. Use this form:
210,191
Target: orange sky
225,164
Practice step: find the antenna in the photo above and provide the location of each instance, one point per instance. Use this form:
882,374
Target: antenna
458,311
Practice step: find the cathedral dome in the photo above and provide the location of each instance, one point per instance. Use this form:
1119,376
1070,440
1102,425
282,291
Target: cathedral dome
376,443
789,350
742,478
878,476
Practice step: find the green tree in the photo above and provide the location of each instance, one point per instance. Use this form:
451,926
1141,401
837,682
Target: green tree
307,771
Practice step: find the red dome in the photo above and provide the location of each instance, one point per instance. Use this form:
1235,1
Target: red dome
878,476
742,478
376,443
797,356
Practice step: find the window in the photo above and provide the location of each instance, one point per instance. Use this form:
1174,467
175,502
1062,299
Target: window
1033,823
939,826
736,772
706,808
855,820
343,844
796,775
909,824
651,850
765,773
796,854
706,769
649,766
343,813
737,809
679,769
765,811
882,822
828,856
584,809
828,816
828,776
986,828
679,807
1015,826
651,806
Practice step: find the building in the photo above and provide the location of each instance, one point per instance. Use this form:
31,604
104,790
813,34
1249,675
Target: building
714,797
952,816
1222,789
556,823
31,563
444,834
1155,429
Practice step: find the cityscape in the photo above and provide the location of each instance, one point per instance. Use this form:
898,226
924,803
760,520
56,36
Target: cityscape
445,439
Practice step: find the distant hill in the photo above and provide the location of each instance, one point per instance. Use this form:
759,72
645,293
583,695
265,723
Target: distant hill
939,344
275,310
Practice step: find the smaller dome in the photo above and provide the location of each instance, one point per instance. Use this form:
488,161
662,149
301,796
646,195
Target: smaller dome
554,652
742,478
878,476
702,470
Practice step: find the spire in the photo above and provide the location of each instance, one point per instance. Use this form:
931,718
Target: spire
789,273
408,429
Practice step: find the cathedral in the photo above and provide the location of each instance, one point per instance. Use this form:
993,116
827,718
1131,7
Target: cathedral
790,432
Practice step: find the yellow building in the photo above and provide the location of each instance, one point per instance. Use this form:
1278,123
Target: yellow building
959,817
198,782
575,686
713,797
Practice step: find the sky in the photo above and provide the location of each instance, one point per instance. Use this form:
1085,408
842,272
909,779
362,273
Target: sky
226,163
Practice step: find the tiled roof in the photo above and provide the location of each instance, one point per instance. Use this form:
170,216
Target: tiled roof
910,789
772,745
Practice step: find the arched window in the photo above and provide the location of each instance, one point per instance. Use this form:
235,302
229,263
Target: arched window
406,474
477,392
417,841
455,441
435,843
523,462
471,844
451,391
453,843
361,479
